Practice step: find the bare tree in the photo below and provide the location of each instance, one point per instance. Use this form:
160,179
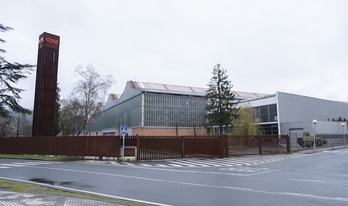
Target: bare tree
71,118
90,89
7,128
24,125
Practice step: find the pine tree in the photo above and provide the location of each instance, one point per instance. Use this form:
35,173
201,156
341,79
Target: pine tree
222,106
10,74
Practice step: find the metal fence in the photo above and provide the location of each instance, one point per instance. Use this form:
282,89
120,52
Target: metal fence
163,147
64,145
248,145
333,139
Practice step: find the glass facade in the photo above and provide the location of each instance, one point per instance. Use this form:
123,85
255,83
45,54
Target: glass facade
127,113
269,128
152,110
267,117
265,113
169,110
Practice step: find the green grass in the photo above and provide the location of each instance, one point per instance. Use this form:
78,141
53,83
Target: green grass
35,157
15,186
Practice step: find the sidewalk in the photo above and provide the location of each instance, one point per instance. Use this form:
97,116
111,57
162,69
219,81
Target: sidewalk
317,149
28,199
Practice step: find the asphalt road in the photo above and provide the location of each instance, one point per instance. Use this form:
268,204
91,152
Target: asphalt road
311,179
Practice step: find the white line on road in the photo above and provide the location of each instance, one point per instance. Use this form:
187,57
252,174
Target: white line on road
175,165
145,165
185,164
301,195
12,165
308,180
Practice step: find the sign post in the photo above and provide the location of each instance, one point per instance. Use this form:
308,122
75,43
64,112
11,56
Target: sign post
123,132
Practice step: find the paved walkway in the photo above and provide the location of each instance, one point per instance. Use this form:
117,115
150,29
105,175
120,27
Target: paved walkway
28,199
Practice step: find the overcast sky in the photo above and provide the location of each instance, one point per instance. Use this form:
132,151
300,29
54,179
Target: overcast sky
294,46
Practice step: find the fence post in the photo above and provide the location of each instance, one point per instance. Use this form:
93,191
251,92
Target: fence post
138,148
221,146
226,147
182,147
259,143
288,149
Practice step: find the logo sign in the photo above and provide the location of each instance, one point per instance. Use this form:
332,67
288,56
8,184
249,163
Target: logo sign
49,40
124,130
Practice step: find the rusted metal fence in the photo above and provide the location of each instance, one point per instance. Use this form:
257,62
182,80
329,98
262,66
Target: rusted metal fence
147,147
65,145
248,145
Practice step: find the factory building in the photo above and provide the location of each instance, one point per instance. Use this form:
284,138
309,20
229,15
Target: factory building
293,115
155,109
162,109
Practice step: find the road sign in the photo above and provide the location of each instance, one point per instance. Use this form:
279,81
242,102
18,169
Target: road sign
124,130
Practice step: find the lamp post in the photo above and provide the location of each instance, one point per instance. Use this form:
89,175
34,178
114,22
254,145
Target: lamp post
344,137
314,122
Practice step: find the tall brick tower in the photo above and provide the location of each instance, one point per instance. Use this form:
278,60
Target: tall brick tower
46,85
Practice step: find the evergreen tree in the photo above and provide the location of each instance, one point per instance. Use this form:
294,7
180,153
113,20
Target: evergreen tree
222,107
10,74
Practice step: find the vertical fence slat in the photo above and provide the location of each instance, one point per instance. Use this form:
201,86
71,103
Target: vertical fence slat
147,147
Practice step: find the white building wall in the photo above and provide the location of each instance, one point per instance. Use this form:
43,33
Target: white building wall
296,108
295,113
323,127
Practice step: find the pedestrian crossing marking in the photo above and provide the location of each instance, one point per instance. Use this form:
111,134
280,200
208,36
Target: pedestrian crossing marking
145,165
12,165
175,165
161,165
244,161
23,164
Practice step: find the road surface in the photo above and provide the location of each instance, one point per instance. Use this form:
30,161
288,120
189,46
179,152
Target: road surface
297,179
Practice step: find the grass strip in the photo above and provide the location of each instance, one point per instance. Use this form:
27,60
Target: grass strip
22,187
36,157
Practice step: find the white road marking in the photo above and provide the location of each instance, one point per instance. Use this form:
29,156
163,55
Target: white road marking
184,164
145,165
175,165
12,165
24,164
309,180
161,165
293,194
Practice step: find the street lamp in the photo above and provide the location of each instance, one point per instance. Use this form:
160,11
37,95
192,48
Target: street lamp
344,137
314,122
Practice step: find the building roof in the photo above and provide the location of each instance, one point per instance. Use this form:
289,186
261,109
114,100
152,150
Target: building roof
167,88
112,100
185,90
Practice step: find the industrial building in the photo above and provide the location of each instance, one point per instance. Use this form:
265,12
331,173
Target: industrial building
162,109
155,109
293,115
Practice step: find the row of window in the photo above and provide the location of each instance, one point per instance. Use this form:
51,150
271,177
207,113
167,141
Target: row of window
266,113
173,110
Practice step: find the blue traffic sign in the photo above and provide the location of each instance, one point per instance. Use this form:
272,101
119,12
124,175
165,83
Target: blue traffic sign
124,130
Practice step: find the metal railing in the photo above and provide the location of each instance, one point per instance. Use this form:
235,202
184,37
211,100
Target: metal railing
162,147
